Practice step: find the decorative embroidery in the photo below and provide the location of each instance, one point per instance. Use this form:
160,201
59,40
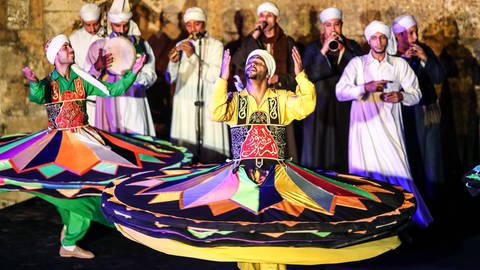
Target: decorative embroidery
273,110
55,91
259,143
67,114
79,88
242,109
258,117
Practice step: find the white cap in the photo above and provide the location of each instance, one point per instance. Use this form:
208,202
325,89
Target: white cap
268,6
378,26
403,23
54,45
90,12
267,58
195,14
330,13
119,11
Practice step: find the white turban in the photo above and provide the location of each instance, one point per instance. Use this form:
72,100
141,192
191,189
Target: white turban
270,7
195,14
330,13
90,12
377,26
120,11
54,45
267,58
403,23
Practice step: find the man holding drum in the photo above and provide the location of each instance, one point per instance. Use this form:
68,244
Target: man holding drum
129,113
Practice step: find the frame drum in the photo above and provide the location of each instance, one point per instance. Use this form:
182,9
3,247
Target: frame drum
123,54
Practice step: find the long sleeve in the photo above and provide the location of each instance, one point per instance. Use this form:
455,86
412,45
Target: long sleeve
433,67
147,75
37,91
300,104
409,82
347,87
115,89
316,64
220,109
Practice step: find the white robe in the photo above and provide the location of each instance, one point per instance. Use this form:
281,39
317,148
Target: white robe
80,41
376,145
376,140
185,74
129,113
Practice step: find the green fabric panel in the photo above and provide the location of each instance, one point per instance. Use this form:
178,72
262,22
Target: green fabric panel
248,193
106,167
149,158
5,164
51,170
205,234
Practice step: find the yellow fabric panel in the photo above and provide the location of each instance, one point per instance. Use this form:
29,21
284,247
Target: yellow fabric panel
267,255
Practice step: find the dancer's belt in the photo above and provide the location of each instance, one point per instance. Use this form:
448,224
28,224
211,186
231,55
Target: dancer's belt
67,114
258,142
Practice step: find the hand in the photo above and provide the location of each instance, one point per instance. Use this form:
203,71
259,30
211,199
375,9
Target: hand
375,86
174,55
416,50
392,97
139,63
225,71
104,61
297,61
29,74
238,83
186,47
333,36
259,26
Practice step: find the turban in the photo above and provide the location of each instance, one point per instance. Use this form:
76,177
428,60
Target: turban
194,13
268,6
90,12
403,23
330,13
377,26
267,58
54,45
119,11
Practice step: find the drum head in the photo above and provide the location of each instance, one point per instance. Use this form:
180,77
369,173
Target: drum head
123,53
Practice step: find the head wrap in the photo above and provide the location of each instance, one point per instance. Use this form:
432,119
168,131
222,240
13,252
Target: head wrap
267,58
403,23
194,13
330,13
89,12
377,26
268,6
54,45
119,11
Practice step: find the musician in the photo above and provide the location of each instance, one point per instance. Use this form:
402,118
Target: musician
129,113
325,132
194,65
269,36
81,40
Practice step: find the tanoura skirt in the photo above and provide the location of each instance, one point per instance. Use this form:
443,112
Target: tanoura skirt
295,216
80,162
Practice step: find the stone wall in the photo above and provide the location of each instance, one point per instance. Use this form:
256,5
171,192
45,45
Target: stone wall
26,24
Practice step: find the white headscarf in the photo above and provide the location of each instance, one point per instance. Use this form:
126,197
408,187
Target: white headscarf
268,6
330,13
119,11
194,13
403,23
89,12
267,58
377,26
54,45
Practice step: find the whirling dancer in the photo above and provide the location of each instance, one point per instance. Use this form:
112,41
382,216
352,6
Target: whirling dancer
71,159
260,210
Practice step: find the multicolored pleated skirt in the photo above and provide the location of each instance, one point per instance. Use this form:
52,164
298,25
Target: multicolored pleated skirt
293,216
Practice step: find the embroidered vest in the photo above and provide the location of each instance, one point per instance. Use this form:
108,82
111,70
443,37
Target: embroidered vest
258,135
67,110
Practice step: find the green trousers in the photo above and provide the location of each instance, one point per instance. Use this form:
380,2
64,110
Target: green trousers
76,215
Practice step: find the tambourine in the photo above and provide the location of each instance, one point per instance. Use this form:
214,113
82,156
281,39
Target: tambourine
123,54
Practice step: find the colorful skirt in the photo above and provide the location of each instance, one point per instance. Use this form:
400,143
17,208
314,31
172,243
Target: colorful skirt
295,216
69,164
471,180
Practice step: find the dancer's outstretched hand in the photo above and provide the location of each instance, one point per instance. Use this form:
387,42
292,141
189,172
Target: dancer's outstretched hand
226,65
29,74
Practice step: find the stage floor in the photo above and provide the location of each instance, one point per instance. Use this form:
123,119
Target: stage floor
29,239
